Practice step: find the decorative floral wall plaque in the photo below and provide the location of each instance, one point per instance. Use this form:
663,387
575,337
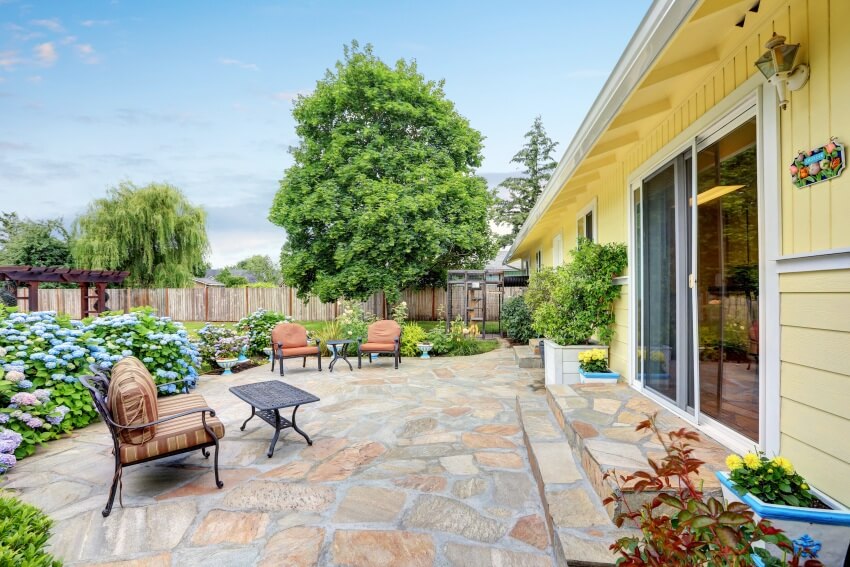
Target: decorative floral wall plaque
818,164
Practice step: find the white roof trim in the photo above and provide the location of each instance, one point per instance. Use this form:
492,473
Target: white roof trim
652,36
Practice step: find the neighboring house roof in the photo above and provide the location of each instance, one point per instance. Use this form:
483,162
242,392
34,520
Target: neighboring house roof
208,282
649,42
235,272
499,263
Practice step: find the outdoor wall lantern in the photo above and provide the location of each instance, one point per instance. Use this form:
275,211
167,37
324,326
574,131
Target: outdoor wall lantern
777,65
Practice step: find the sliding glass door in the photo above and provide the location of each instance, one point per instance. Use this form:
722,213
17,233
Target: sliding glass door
697,288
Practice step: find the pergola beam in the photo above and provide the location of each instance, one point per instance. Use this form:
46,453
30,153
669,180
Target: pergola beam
32,276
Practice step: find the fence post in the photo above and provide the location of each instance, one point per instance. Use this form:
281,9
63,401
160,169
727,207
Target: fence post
247,309
167,314
206,303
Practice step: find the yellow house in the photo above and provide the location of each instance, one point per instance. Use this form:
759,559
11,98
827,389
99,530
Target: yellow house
735,311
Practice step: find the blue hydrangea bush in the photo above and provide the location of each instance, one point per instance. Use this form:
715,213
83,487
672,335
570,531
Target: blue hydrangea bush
42,356
258,327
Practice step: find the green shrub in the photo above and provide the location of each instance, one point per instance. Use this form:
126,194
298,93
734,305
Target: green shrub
572,303
24,531
440,341
354,321
516,319
258,327
330,331
411,335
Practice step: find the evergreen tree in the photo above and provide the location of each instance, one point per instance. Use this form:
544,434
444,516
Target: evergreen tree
153,232
537,162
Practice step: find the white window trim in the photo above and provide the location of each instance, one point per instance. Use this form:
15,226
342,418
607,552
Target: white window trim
557,250
589,208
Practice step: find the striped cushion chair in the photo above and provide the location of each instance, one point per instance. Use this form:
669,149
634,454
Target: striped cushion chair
144,427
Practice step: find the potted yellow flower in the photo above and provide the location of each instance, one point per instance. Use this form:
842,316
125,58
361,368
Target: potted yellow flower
593,367
776,492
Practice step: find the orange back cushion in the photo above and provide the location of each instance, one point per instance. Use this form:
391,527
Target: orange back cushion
132,399
385,331
290,334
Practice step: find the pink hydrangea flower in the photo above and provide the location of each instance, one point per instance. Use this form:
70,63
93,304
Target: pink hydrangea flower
25,399
14,376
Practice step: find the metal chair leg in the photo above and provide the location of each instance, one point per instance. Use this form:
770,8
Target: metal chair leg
304,363
116,478
218,481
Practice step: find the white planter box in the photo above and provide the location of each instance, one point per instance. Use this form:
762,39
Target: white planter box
561,363
831,528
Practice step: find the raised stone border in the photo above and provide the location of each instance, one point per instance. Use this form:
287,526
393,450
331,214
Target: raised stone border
578,524
599,422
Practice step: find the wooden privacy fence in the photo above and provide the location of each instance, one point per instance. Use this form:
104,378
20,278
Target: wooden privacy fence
218,304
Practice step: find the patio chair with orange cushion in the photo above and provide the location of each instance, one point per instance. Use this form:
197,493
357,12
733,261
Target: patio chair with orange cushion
289,340
381,337
145,427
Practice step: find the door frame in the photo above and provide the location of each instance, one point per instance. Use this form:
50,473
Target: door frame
749,100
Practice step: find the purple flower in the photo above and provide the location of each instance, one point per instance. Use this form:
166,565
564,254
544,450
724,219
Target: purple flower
42,394
8,446
7,461
24,385
35,423
4,418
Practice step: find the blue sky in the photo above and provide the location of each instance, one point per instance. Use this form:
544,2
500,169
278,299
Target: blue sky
199,94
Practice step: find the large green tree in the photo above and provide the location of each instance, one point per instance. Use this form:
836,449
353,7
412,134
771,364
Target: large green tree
261,267
382,194
154,232
26,242
538,163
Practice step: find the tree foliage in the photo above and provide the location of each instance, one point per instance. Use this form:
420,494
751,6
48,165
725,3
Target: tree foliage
25,242
229,279
263,268
154,232
382,194
538,163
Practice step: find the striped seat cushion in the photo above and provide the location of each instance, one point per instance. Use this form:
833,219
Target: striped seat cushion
132,400
174,435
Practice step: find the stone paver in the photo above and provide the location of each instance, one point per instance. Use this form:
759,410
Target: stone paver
420,466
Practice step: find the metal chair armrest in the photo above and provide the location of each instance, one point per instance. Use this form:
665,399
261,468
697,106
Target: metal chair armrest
167,418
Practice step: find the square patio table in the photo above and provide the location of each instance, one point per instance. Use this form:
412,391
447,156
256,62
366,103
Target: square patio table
267,399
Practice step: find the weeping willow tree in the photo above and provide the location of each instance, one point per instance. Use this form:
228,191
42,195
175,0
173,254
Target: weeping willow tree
153,232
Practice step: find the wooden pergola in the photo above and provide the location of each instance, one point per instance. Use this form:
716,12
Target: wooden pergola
32,276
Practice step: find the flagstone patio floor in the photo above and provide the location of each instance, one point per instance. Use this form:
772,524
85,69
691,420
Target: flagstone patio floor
420,466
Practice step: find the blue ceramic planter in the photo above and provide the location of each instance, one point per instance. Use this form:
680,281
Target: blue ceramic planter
598,377
826,531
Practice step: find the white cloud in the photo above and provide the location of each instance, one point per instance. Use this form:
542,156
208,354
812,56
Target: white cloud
87,54
93,23
35,79
46,54
52,24
8,59
67,40
238,63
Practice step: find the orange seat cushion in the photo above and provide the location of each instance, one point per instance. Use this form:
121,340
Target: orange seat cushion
171,405
385,331
132,400
289,335
382,347
300,351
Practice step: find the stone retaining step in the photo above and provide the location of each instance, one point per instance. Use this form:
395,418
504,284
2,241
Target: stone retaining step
599,422
579,527
525,357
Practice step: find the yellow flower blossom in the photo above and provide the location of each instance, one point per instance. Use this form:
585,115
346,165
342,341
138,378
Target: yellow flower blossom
752,461
804,486
734,462
784,464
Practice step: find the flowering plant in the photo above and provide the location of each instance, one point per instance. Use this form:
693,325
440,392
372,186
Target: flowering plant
593,360
9,442
399,312
230,347
772,480
42,354
209,336
354,321
258,326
